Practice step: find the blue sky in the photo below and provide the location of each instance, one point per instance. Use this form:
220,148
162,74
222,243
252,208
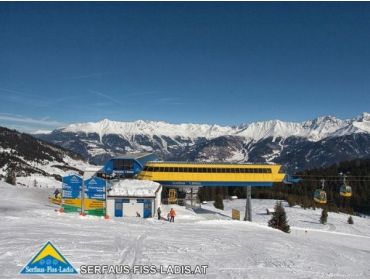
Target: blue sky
225,63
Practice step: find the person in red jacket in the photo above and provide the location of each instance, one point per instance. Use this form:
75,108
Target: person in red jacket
172,215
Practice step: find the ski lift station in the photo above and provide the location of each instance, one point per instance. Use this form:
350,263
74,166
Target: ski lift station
126,166
136,184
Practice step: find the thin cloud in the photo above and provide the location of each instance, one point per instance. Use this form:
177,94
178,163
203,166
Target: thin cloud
170,101
106,96
45,121
17,92
141,93
85,76
21,97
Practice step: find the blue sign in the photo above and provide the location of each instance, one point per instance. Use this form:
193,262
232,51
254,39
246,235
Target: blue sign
95,188
72,186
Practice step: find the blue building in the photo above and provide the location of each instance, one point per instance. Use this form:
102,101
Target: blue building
126,166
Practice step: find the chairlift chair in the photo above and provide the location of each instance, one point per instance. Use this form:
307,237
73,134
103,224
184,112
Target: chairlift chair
320,194
345,190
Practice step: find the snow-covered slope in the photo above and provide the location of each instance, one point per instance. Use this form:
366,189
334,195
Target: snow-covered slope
231,249
298,218
360,124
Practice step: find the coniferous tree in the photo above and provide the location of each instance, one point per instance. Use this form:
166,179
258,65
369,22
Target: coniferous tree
291,201
279,219
350,220
324,216
10,176
219,203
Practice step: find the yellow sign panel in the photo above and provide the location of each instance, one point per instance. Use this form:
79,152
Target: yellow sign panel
235,214
75,202
172,196
91,204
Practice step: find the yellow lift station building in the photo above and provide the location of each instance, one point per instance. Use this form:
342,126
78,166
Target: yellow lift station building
212,174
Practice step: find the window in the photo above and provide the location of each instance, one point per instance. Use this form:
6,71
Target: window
123,164
161,169
181,169
118,164
166,169
186,169
236,170
175,169
150,169
156,169
145,168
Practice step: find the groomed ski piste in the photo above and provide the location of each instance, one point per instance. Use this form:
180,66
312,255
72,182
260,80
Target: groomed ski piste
231,249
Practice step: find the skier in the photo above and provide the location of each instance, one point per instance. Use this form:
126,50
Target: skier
172,214
159,213
56,193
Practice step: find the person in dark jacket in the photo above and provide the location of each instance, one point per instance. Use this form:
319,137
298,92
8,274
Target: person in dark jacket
56,193
159,213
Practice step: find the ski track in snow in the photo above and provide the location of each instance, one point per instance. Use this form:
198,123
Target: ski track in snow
231,249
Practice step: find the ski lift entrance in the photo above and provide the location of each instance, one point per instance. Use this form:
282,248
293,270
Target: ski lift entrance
320,194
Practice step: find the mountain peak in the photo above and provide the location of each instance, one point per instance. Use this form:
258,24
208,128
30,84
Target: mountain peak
104,121
363,117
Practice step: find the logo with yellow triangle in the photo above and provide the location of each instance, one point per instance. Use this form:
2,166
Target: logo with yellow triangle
48,261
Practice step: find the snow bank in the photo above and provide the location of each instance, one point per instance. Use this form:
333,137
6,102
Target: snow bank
140,188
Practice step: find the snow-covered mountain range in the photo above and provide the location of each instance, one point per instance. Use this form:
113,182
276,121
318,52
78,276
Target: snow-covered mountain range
299,144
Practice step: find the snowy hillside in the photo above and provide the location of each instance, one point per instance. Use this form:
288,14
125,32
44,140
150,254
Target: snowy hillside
298,217
35,163
231,249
